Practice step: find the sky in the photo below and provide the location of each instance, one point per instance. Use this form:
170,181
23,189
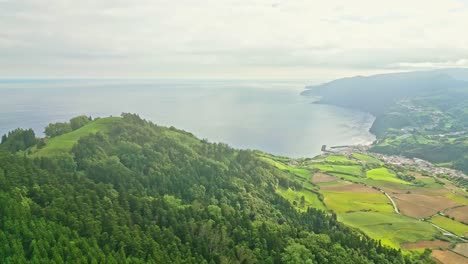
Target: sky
278,39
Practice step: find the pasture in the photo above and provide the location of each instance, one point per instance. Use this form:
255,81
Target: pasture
342,202
451,225
382,174
295,197
392,229
353,170
335,159
64,143
366,158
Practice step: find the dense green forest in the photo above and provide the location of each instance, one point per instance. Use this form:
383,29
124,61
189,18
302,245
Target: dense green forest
124,190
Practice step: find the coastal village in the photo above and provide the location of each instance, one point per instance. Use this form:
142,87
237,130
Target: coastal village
417,164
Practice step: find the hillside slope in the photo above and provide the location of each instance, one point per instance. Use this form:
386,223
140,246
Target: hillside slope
135,192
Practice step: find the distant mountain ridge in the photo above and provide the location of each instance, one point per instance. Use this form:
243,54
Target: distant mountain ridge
376,93
418,114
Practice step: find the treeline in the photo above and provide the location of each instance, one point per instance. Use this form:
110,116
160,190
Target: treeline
141,193
60,128
18,140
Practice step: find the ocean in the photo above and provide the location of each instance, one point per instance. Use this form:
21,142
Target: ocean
256,114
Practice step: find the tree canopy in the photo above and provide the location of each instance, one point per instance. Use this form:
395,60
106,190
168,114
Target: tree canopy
142,193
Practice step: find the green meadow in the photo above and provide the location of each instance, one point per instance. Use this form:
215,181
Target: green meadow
353,170
300,172
392,229
295,197
450,225
342,202
366,158
64,143
340,160
382,174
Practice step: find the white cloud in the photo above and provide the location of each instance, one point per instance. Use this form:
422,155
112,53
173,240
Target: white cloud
233,38
462,63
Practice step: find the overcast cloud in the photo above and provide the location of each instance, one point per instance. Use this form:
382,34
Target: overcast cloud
229,38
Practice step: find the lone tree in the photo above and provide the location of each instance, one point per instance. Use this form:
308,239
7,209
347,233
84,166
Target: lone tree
57,129
79,121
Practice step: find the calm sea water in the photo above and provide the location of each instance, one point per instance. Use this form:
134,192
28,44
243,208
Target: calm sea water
266,115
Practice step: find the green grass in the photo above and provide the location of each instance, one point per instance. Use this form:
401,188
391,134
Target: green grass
353,170
366,158
382,174
300,172
311,199
340,160
450,225
429,183
392,229
349,201
377,183
64,143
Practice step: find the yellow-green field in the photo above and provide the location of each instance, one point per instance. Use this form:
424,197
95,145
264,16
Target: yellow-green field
392,229
453,226
457,198
382,174
342,202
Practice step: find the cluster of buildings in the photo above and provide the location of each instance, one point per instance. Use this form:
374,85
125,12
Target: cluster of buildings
419,164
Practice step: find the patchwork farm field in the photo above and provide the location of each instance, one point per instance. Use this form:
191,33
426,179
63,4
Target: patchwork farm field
422,206
462,249
318,178
361,189
444,256
432,244
460,213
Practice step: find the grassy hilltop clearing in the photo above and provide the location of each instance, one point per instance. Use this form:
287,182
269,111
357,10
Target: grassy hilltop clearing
124,190
361,190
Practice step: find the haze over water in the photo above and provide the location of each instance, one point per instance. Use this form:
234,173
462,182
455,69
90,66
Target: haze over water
266,115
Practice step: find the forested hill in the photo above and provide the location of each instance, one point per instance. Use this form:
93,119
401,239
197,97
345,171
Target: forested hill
124,190
376,94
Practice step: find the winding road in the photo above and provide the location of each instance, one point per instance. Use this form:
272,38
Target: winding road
391,200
